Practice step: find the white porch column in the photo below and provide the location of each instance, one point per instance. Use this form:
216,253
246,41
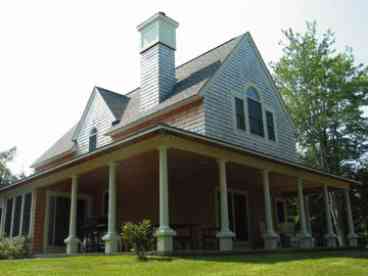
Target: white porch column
225,236
112,237
271,239
164,233
72,241
352,236
305,237
331,237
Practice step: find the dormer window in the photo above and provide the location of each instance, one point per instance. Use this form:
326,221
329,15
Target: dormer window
255,113
93,139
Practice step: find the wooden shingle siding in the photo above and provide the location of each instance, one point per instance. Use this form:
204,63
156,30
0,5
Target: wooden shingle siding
242,69
157,75
100,117
189,117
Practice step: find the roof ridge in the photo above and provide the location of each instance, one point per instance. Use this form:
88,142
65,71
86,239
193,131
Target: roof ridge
101,89
210,50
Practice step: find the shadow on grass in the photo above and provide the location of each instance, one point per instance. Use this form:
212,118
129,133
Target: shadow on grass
281,257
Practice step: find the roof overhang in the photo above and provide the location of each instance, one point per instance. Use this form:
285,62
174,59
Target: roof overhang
185,140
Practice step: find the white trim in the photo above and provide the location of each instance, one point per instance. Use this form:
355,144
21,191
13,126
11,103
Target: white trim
262,103
49,194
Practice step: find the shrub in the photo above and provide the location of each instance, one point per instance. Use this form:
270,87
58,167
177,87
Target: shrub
139,237
14,248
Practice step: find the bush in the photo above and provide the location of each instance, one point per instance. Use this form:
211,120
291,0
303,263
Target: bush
14,248
139,237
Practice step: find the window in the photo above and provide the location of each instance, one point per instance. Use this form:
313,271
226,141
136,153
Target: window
17,215
270,126
93,140
8,217
255,117
239,112
255,112
26,214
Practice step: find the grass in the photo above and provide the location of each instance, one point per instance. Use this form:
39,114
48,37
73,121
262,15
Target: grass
339,263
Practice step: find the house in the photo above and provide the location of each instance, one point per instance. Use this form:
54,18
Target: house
205,150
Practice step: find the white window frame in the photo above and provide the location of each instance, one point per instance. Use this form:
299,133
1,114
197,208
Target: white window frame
242,94
23,194
261,102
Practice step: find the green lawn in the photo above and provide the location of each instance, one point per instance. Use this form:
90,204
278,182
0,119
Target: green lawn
296,264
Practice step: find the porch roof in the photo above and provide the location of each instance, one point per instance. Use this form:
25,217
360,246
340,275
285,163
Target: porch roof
197,143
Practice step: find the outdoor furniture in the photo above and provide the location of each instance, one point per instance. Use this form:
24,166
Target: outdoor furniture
93,231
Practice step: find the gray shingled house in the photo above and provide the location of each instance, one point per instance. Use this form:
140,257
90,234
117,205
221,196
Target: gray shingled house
205,150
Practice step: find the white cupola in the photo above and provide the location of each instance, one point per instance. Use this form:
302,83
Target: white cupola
157,48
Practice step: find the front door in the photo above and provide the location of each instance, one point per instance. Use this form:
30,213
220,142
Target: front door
238,214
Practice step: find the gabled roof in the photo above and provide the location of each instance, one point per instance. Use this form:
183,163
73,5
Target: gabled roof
191,78
64,145
115,102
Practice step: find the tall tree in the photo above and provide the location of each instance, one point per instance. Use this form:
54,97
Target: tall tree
6,176
325,92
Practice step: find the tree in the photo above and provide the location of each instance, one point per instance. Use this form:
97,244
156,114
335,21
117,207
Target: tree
325,93
6,176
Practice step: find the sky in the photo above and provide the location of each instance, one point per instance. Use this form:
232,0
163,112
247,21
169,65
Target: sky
52,53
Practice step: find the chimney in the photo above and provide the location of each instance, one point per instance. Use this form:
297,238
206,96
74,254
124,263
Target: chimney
157,46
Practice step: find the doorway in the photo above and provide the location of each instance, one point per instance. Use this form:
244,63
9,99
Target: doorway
58,219
238,214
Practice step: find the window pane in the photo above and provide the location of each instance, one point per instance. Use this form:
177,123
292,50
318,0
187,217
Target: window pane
9,210
255,117
270,126
240,116
17,214
92,142
27,214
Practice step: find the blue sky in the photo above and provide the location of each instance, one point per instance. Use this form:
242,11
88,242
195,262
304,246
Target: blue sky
52,53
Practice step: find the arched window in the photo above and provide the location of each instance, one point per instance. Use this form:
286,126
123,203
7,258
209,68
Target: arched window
93,139
255,113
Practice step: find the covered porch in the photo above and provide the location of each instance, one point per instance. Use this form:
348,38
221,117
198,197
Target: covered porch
198,194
